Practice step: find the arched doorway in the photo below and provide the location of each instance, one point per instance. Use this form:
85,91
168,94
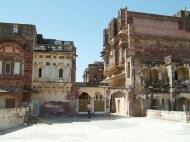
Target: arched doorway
181,103
117,102
155,104
136,108
98,102
84,98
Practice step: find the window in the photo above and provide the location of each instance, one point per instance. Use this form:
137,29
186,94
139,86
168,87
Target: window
61,57
101,97
0,67
60,73
40,56
97,97
15,28
47,63
40,72
17,68
128,70
8,68
48,56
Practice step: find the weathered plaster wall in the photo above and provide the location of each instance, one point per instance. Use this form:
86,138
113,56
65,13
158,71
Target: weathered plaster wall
12,117
169,115
51,72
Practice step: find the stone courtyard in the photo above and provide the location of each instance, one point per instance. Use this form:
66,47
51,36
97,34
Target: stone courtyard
100,129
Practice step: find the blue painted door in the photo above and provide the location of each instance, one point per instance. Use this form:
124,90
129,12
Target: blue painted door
36,107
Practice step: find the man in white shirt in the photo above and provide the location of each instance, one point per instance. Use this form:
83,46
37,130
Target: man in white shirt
89,108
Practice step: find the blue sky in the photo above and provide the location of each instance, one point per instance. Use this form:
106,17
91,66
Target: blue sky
81,21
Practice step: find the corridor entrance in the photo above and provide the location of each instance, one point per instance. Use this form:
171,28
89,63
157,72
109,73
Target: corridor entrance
84,98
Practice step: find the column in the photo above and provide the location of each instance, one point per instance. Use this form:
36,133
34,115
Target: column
130,109
77,105
92,103
105,109
170,70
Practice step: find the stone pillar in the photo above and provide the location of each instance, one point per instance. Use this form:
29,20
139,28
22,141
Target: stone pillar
92,103
170,70
77,105
130,107
105,109
142,103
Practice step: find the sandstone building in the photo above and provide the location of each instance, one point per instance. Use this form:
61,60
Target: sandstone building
146,64
93,74
54,71
148,56
16,53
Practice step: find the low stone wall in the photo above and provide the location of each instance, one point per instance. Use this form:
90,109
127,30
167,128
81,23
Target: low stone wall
12,117
169,115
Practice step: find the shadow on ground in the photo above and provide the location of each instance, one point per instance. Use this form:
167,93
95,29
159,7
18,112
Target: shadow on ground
4,132
64,119
80,118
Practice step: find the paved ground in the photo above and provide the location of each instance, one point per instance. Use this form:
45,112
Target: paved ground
102,129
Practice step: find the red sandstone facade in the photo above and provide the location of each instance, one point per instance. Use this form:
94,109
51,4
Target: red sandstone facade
148,54
16,58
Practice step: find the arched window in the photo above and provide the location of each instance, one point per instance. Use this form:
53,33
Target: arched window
40,72
60,73
182,73
154,74
146,74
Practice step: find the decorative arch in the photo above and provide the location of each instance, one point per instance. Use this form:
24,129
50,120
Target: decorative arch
155,104
181,103
146,74
12,47
116,102
84,98
154,74
181,73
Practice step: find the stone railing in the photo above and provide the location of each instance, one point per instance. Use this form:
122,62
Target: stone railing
169,115
12,117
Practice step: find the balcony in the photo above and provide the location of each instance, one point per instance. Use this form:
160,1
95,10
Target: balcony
63,48
156,86
122,33
182,86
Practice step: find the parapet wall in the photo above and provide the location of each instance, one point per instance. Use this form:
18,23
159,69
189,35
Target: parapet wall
169,115
12,117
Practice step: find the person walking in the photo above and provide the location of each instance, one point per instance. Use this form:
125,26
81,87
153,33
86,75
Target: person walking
89,108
